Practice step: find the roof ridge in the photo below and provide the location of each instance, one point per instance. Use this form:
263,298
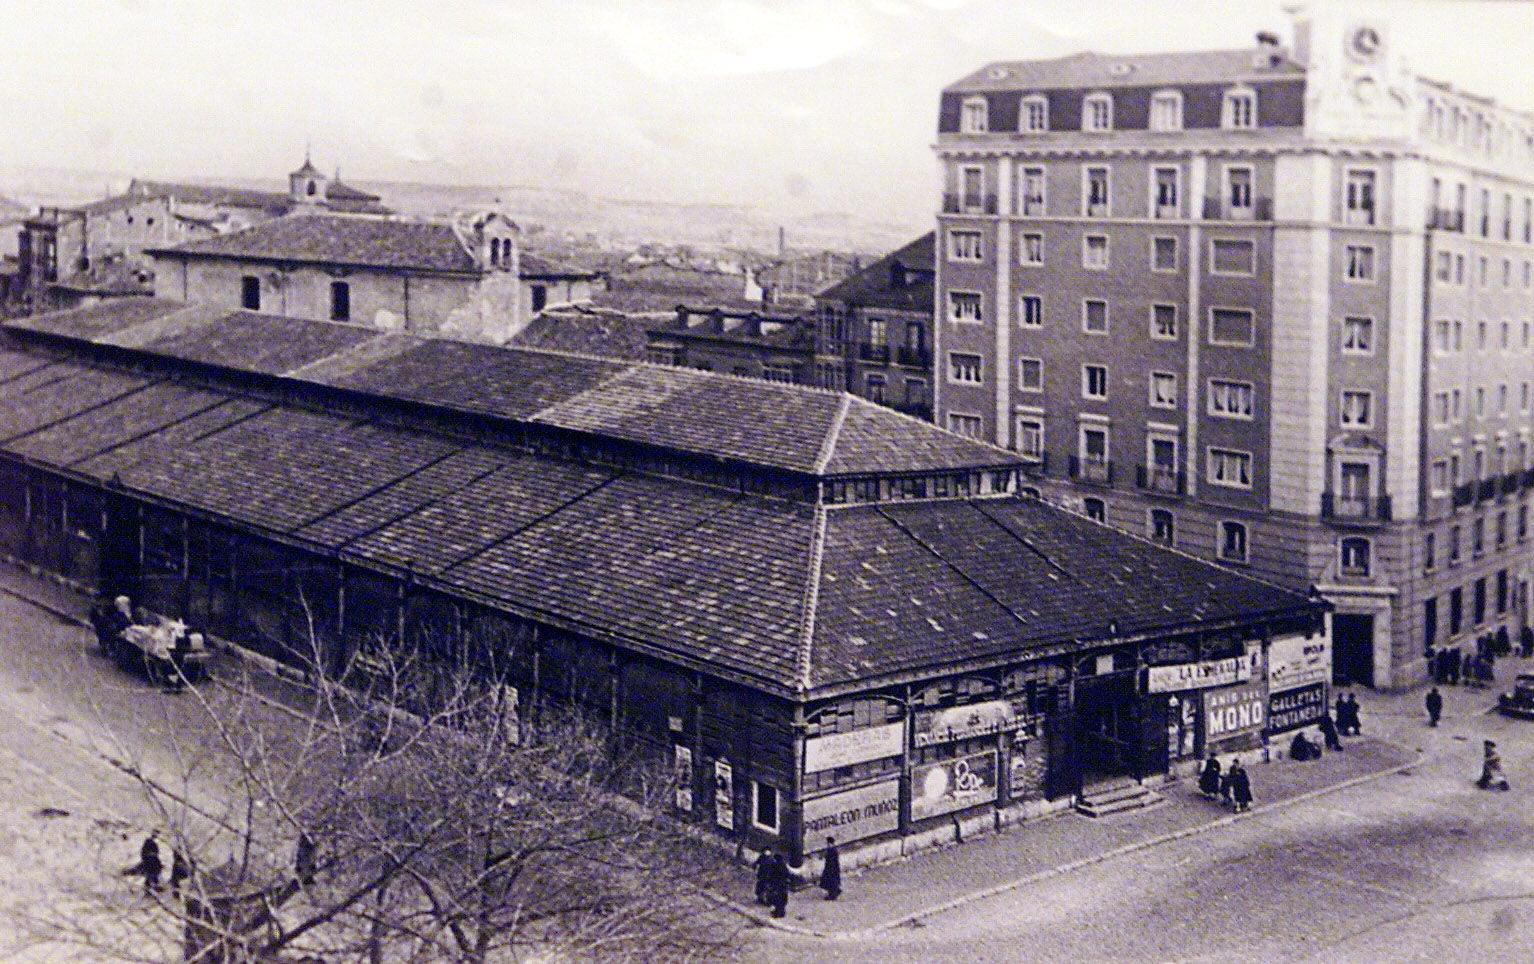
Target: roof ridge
811,601
828,445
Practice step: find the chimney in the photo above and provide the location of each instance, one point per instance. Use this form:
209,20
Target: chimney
1269,53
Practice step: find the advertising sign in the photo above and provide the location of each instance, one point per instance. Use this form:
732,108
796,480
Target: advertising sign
1295,708
853,814
950,785
962,722
1295,661
724,795
1239,709
683,771
1196,676
854,746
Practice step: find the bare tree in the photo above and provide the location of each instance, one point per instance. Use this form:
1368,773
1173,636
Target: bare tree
399,809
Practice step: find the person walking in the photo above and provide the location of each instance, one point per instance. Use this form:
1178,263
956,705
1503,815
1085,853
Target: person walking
1240,786
1354,725
1526,642
149,863
1209,778
1492,777
777,885
764,868
1329,732
303,860
831,873
1227,782
1434,703
180,872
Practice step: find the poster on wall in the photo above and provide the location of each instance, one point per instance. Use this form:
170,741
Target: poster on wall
854,746
1295,708
1234,710
853,814
949,785
1295,661
683,771
1193,676
724,795
962,722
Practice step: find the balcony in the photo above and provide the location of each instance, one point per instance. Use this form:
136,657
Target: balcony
1510,482
1464,494
914,357
1261,209
1092,470
1443,219
874,353
969,204
1160,479
1351,508
1486,490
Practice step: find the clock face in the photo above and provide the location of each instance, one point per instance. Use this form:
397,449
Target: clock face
1364,43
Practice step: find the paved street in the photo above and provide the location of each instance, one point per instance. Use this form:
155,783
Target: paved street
1406,861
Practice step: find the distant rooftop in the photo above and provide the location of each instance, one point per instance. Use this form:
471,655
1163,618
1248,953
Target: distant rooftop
1090,69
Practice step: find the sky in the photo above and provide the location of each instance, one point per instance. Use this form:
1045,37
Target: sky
795,107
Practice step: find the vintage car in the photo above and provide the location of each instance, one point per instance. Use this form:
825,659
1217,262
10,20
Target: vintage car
1520,701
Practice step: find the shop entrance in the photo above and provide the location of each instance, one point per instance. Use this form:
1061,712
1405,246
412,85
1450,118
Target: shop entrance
1352,649
1107,728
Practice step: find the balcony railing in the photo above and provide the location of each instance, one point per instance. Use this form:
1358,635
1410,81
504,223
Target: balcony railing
874,353
914,357
1218,209
1160,479
1444,219
962,204
1353,508
1095,471
1464,494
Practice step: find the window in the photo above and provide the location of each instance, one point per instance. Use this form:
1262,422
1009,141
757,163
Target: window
1454,555
764,806
1163,254
1478,537
915,391
1233,543
1163,527
1353,556
1164,193
1456,609
1441,408
340,301
964,246
1429,552
969,426
1095,509
1032,191
1030,438
1444,267
1166,111
1356,409
1358,198
250,293
1094,382
974,116
1030,311
1238,193
1438,476
1231,326
964,307
1239,110
1164,322
1095,193
878,332
1359,262
1232,257
1030,375
1094,316
972,187
1094,252
1032,249
1230,468
1093,445
964,369
1229,399
1358,336
1033,116
1163,390
1097,113
540,295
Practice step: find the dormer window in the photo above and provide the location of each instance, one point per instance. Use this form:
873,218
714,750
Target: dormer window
974,117
1097,113
1240,112
1166,111
1033,116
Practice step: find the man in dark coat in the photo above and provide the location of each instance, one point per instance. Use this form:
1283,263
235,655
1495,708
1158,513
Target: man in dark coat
1526,642
1354,725
777,885
831,873
1209,777
303,860
149,863
1329,732
1240,786
764,868
1434,703
180,872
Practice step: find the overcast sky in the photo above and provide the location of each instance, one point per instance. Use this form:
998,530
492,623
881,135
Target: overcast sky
797,106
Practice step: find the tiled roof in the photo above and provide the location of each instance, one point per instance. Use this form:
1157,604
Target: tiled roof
1090,69
334,239
213,195
585,331
874,286
537,266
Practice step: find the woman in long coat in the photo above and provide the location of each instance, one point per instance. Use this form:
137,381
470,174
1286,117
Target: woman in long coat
831,873
1240,786
1209,778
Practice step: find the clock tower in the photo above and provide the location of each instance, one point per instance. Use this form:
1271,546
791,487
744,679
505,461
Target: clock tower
1356,84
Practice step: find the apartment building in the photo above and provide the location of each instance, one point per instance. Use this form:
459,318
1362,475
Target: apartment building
1269,306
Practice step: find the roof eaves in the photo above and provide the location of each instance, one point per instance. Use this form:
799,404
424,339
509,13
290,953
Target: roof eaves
191,255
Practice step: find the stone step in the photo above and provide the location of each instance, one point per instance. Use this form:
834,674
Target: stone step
1116,800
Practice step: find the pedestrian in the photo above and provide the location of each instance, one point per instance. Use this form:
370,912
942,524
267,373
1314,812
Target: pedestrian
149,862
303,860
1526,642
1434,703
1227,782
1492,777
1329,732
777,885
763,874
1504,642
1301,749
1454,666
1342,713
1209,778
1355,726
180,872
1240,786
831,873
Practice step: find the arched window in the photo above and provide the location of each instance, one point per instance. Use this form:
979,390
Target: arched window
311,189
1233,542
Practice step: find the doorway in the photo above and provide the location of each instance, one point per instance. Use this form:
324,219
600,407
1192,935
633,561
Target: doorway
1352,649
1107,728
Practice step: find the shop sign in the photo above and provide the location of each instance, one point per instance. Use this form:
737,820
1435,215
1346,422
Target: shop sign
724,795
1197,676
1239,709
962,722
1295,708
854,746
950,785
683,771
1295,661
853,814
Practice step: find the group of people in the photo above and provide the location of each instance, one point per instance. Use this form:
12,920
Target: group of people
169,650
1450,666
1232,785
774,879
151,865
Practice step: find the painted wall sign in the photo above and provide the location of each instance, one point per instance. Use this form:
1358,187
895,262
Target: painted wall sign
853,814
854,746
1238,709
950,785
1295,708
1295,661
724,795
1196,676
962,722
